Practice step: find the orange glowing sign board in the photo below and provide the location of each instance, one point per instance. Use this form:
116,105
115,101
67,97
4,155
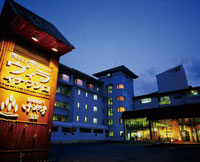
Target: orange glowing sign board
26,88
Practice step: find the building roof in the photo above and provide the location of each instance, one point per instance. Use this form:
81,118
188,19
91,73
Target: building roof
170,112
166,93
26,23
121,68
78,73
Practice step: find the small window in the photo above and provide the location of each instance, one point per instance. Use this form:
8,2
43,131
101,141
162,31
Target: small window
120,86
65,77
85,119
120,121
61,118
95,108
77,118
86,106
95,120
78,81
110,112
110,102
86,94
109,75
79,92
78,104
85,130
98,131
109,88
121,133
95,97
177,97
97,89
164,100
110,121
111,134
54,129
121,98
145,100
121,109
90,86
193,93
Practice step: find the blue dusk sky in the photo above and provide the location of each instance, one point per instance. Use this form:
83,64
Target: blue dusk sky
147,36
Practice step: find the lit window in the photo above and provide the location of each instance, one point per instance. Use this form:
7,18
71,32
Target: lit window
86,106
63,91
78,104
109,88
95,97
97,89
61,104
121,109
95,108
85,119
120,121
121,98
111,134
110,102
110,112
78,82
121,133
164,100
79,92
145,100
90,86
110,122
86,94
109,75
95,120
120,86
77,118
65,77
59,118
193,93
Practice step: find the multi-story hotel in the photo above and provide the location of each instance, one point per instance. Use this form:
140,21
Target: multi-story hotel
87,108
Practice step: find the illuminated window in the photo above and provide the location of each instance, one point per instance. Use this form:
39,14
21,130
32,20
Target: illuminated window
95,108
120,86
97,89
59,118
145,100
90,86
63,91
109,88
110,112
78,81
164,100
121,109
77,118
61,104
111,134
109,75
110,102
193,93
95,120
86,106
86,94
95,97
121,98
120,121
79,92
85,119
110,122
65,77
121,133
78,104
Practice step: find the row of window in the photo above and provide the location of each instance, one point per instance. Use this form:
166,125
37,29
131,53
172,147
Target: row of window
95,97
86,107
119,98
63,91
119,109
61,104
166,99
110,121
77,81
59,118
111,133
119,86
86,119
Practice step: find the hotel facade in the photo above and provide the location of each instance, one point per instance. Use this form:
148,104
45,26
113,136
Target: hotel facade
104,108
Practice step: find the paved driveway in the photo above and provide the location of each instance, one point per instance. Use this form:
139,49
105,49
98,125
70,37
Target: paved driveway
122,152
